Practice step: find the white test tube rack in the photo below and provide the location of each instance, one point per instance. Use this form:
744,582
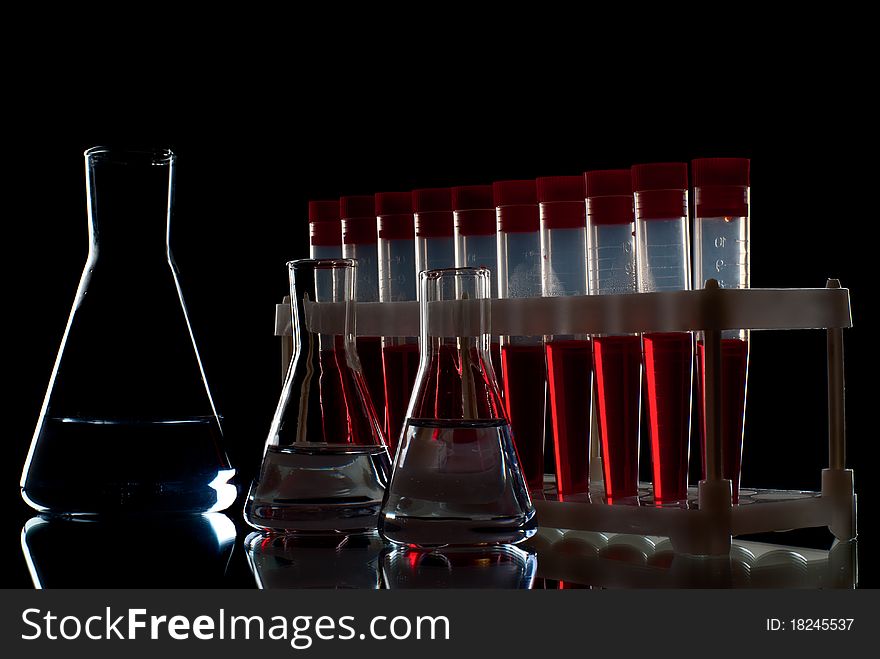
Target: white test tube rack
707,527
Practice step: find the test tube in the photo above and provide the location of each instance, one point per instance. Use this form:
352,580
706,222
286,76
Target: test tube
432,214
397,283
476,243
522,357
359,237
721,252
325,231
569,357
663,264
617,359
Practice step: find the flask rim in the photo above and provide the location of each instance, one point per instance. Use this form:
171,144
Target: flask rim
130,156
322,263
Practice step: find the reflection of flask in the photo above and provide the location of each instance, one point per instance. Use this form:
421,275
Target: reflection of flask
128,423
721,252
499,567
325,465
663,264
315,561
522,357
143,551
457,478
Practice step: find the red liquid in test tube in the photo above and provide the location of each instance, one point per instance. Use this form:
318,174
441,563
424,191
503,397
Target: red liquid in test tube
617,359
662,255
569,358
522,357
721,252
569,364
734,373
397,283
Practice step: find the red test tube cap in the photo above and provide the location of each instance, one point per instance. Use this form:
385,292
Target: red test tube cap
358,215
324,226
562,201
474,207
394,215
517,205
609,196
432,208
661,190
721,187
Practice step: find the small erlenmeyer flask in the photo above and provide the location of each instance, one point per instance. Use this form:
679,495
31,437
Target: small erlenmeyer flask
457,478
325,465
128,423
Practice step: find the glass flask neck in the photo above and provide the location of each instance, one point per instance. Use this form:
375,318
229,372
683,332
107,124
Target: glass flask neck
129,202
456,380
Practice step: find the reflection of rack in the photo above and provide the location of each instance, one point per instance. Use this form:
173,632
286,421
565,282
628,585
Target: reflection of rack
632,561
706,525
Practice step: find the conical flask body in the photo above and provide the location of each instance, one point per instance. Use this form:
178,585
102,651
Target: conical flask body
456,478
325,464
128,423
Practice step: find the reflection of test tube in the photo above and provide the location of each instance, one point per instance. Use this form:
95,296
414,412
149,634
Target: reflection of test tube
435,244
476,244
325,232
569,357
617,359
359,237
522,357
721,252
663,264
397,283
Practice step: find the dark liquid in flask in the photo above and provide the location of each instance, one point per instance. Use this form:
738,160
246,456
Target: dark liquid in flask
524,390
618,367
570,377
115,465
369,350
732,406
668,376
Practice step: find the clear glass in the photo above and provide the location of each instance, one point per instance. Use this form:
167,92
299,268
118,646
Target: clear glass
128,551
522,357
569,358
457,479
367,257
617,362
501,567
128,423
663,264
721,252
315,561
325,465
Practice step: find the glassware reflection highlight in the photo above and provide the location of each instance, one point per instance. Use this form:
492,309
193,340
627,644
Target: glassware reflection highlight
181,551
498,567
315,561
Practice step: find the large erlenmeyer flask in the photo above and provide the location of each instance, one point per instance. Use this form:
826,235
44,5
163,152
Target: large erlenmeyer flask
325,465
457,478
128,423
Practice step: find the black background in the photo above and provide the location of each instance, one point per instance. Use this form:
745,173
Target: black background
258,134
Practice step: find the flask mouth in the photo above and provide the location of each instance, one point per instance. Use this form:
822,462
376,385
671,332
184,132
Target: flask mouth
123,156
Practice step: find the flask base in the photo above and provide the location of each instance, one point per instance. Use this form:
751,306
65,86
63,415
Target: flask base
430,532
326,488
